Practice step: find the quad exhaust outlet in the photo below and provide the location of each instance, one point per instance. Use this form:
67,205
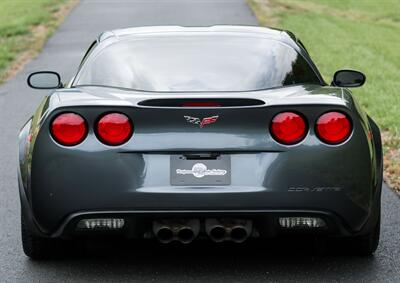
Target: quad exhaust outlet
219,230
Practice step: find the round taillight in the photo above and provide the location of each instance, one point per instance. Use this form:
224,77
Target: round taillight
69,129
333,127
114,129
288,128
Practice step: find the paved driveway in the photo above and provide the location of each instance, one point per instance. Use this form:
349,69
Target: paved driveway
287,261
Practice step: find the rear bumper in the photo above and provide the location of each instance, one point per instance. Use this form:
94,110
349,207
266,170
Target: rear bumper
270,181
343,216
138,224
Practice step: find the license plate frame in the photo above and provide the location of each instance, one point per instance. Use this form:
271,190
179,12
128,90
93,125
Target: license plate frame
189,171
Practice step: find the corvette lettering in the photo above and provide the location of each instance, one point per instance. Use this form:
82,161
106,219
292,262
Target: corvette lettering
199,170
201,122
314,190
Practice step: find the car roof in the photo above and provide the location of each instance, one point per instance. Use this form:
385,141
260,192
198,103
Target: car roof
272,33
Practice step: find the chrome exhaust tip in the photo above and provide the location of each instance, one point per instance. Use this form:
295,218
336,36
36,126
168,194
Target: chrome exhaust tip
163,232
217,233
188,230
186,235
215,230
239,234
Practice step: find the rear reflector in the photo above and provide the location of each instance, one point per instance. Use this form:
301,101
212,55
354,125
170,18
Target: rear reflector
69,129
301,222
101,224
333,127
288,128
114,129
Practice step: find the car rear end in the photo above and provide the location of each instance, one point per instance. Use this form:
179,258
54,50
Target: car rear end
272,167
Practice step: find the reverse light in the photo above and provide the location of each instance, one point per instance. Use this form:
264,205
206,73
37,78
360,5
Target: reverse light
288,128
101,224
333,127
68,129
301,222
114,129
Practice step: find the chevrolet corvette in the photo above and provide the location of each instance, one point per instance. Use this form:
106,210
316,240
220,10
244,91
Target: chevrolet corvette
175,134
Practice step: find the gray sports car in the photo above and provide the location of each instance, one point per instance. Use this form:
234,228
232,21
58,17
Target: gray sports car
179,133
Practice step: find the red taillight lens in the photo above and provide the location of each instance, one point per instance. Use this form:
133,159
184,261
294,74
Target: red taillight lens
114,129
69,129
288,128
333,127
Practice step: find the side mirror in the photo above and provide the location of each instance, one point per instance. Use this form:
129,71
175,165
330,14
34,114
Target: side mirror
348,78
44,80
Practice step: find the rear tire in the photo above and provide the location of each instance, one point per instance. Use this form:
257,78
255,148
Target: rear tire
43,248
366,245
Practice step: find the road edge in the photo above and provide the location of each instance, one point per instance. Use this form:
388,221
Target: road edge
40,34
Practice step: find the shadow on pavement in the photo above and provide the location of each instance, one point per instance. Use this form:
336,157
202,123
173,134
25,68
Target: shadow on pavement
287,259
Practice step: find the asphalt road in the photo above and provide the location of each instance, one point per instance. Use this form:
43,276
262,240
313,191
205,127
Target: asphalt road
286,261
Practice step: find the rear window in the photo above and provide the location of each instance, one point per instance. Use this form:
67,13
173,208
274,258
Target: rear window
196,63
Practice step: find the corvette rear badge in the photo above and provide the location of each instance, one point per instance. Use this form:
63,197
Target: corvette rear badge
201,122
199,170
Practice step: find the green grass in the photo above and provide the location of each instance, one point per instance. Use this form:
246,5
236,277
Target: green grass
377,9
17,19
357,34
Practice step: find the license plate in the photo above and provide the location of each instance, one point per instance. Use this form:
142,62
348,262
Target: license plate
186,170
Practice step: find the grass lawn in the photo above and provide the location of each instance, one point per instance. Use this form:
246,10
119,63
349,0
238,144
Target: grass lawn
358,34
24,28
